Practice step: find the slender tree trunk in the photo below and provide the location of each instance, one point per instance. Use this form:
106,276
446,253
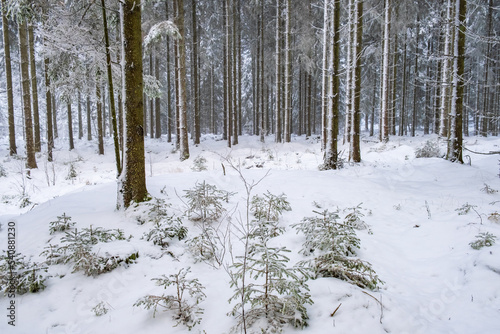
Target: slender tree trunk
151,101
288,72
263,114
402,116
48,103
415,85
182,101
349,74
195,75
384,113
133,177
456,135
8,77
445,80
331,153
278,83
235,75
111,91
485,114
157,100
324,75
54,116
89,119
357,51
80,118
34,89
70,126
169,94
394,84
25,77
99,106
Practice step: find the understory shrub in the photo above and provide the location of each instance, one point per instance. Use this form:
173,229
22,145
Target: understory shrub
334,246
21,276
429,150
183,300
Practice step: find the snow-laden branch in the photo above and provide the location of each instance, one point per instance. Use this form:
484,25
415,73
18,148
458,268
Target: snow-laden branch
158,31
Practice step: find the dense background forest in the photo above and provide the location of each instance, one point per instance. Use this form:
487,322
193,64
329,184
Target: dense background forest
250,166
279,67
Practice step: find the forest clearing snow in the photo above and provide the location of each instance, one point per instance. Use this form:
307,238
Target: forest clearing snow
417,243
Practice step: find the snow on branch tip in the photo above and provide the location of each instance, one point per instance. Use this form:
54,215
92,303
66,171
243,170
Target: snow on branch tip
160,30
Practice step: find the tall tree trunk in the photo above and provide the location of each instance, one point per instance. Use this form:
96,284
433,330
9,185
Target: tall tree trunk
54,115
278,83
402,115
235,75
151,101
133,177
112,109
89,118
331,153
349,74
195,75
415,85
169,94
263,114
384,112
445,80
182,100
70,125
456,135
48,104
34,89
229,73
157,100
25,77
485,114
99,106
288,72
356,95
8,77
324,74
80,118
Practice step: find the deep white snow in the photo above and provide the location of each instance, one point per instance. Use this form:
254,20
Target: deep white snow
434,281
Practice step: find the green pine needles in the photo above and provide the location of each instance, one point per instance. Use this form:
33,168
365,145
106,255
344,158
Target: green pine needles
268,292
334,246
183,301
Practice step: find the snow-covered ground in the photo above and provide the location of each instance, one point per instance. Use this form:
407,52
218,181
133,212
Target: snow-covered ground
419,245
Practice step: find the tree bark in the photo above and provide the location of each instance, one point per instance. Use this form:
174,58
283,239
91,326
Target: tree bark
25,77
288,73
133,177
48,102
8,77
99,106
182,101
195,75
112,109
70,126
34,89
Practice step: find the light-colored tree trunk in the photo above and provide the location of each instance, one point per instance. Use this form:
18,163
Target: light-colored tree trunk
456,135
80,117
195,75
288,73
384,112
324,74
445,79
356,80
278,83
331,153
182,97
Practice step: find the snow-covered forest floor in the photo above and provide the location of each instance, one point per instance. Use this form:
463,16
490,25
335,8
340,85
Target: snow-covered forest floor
418,236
